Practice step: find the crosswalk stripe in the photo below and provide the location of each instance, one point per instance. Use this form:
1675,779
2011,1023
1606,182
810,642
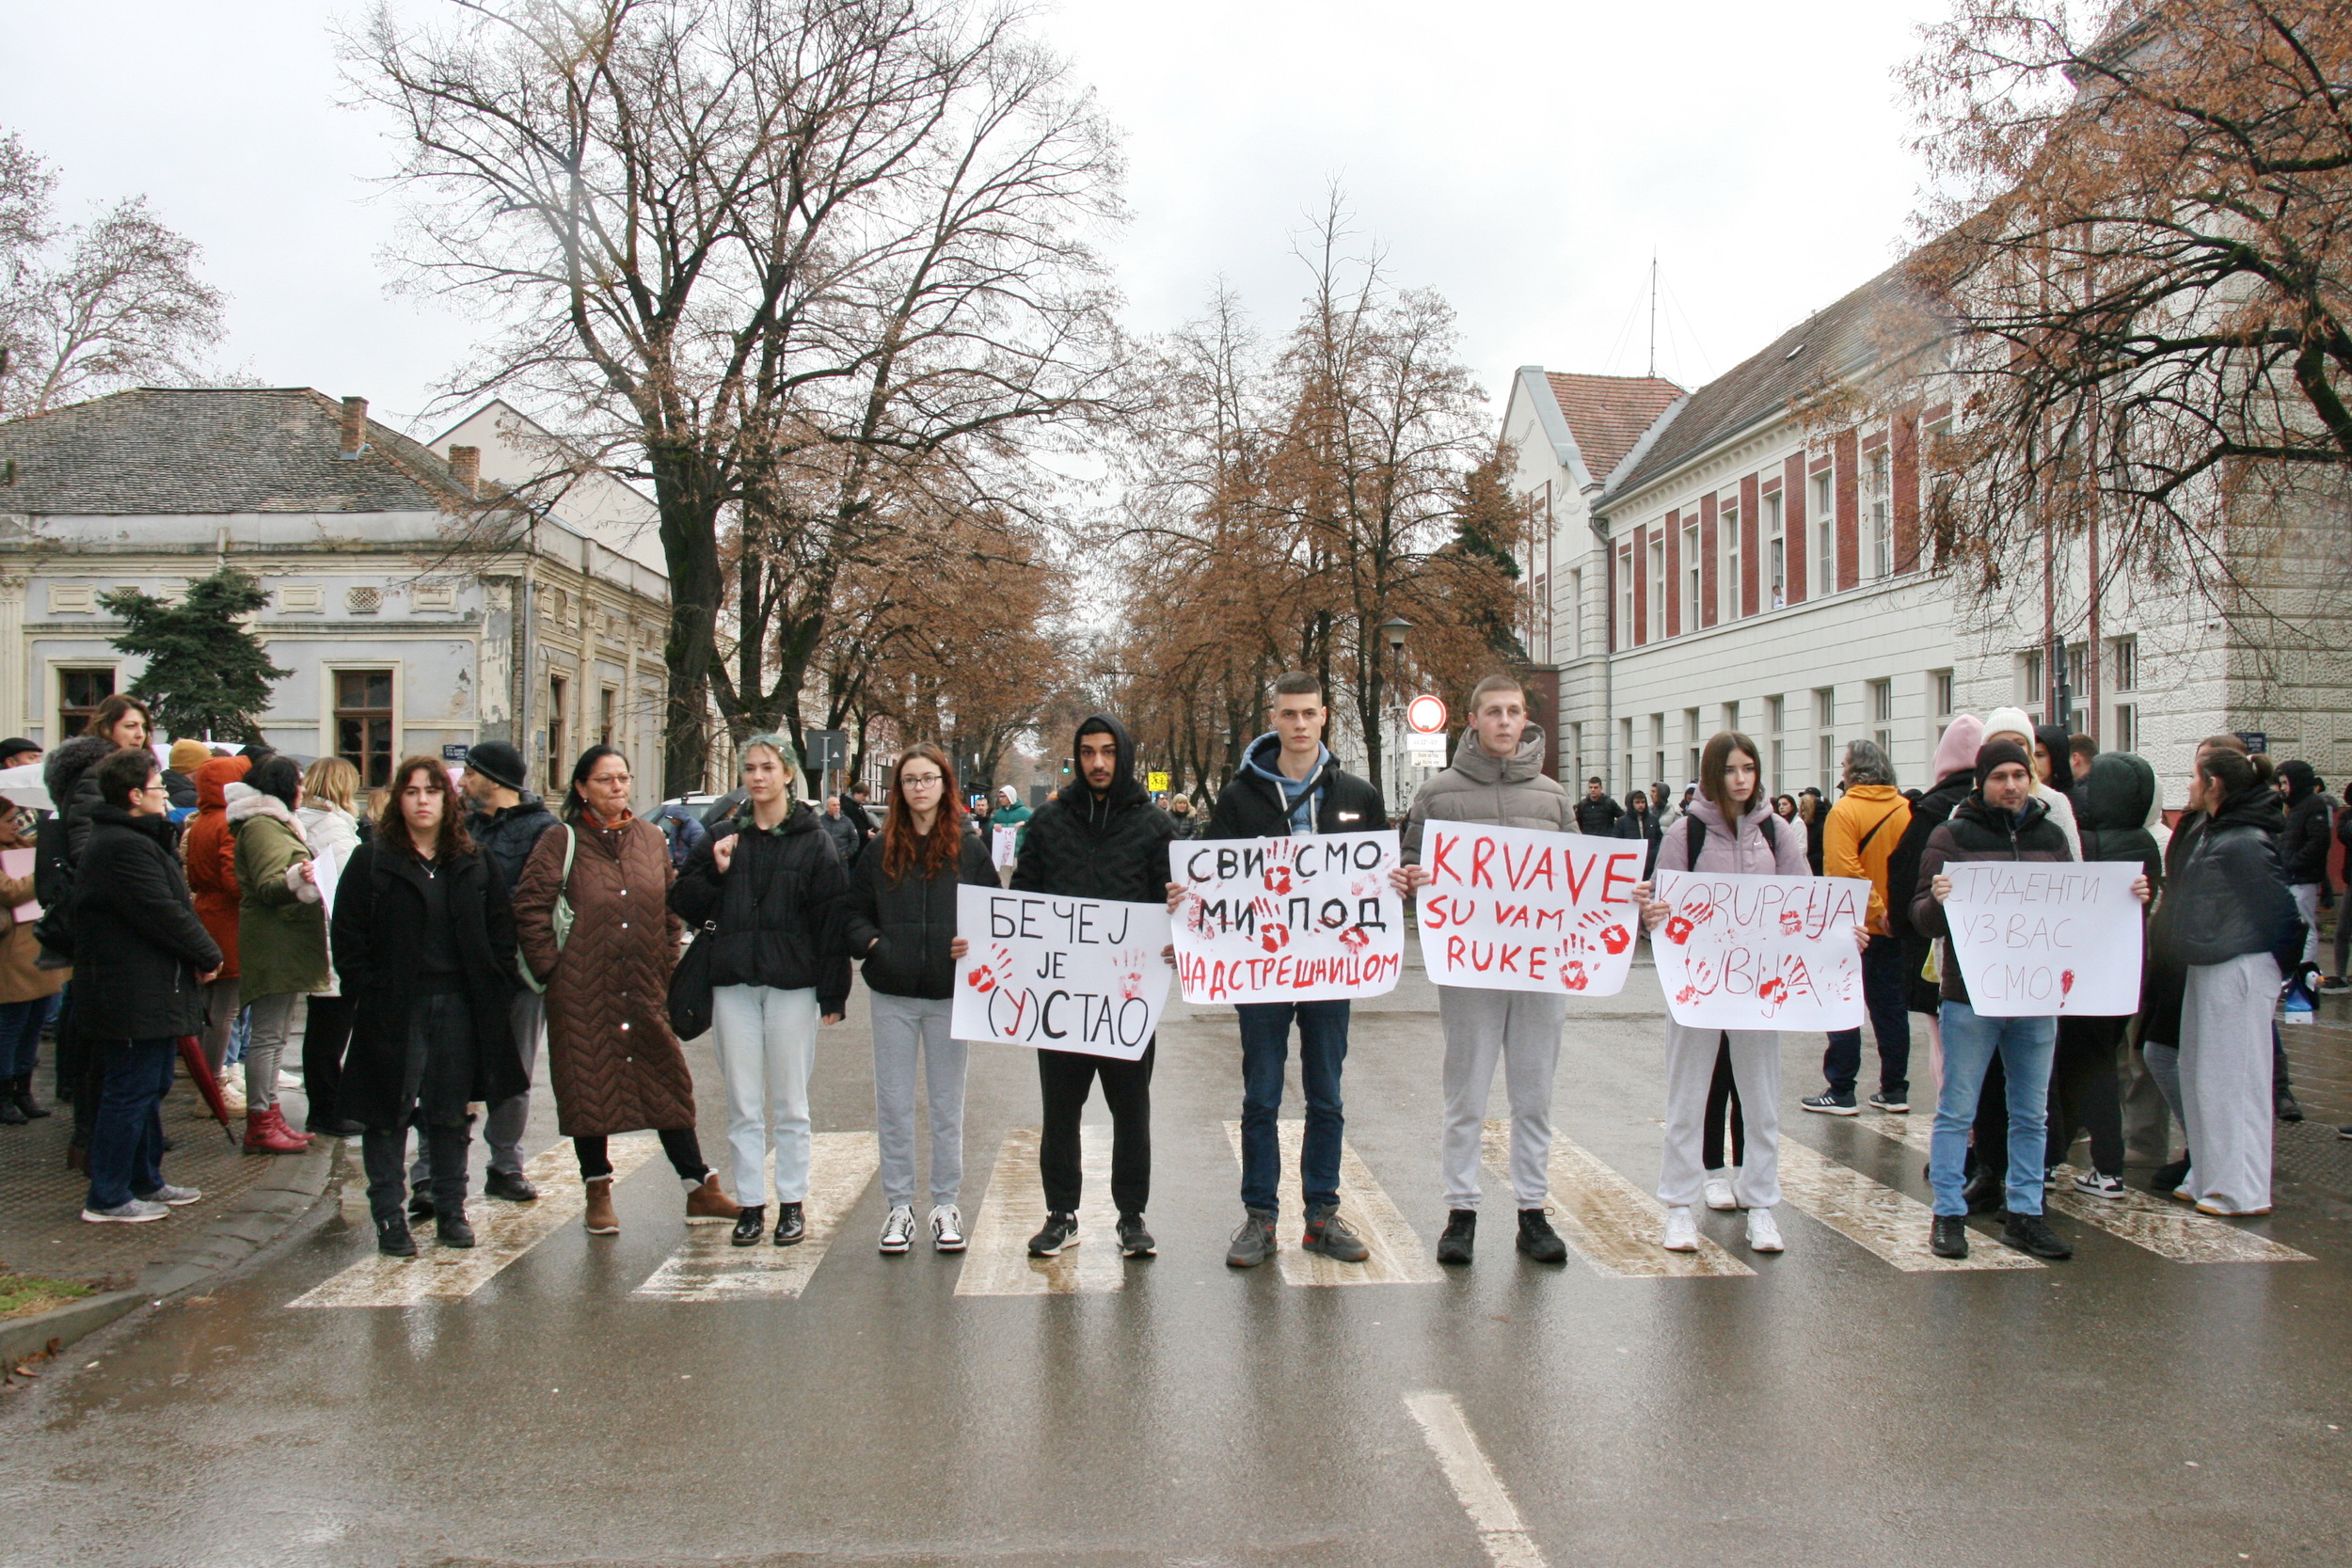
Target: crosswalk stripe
1476,1486
710,1267
1613,1225
504,1232
1878,1218
2171,1230
1397,1257
998,1264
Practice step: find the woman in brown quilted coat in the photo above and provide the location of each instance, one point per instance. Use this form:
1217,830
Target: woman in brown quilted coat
614,1064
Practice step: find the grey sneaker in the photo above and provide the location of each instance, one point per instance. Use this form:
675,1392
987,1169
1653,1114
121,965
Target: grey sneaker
136,1212
1253,1243
1327,1235
171,1196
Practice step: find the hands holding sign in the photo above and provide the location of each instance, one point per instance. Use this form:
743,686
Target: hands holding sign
1515,909
1085,974
2039,938
1737,951
1306,918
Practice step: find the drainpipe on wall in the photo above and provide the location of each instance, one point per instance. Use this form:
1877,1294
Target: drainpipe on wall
1608,648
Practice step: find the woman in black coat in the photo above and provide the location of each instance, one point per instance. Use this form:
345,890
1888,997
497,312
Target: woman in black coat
903,923
424,947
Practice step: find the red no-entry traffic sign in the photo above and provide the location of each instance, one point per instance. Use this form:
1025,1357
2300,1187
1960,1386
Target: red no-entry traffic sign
1426,715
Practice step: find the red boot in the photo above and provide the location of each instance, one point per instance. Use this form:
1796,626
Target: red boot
262,1136
278,1119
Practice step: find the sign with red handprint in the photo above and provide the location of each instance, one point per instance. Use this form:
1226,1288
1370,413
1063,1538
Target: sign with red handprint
1081,975
1298,919
1743,951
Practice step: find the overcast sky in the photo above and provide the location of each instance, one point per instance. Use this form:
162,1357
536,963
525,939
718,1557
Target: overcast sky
1524,160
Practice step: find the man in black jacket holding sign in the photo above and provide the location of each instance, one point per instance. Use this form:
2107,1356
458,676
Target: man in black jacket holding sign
1100,837
1289,783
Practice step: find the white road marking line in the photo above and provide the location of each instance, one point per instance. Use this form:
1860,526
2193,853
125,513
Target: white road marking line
2168,1229
1878,1218
1476,1486
1397,1257
1613,1225
998,1264
504,1231
710,1267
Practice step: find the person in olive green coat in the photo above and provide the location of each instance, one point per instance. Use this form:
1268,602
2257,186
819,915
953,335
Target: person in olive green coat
282,936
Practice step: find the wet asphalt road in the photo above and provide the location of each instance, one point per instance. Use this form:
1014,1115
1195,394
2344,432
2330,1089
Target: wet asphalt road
2119,1409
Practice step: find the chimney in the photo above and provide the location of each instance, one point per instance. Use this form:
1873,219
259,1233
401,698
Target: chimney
465,467
355,426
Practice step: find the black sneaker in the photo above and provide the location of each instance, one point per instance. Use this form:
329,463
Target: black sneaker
510,1185
1949,1238
2343,1132
1253,1243
392,1239
420,1207
1060,1230
2031,1233
1328,1234
2164,1178
791,1229
452,1230
1461,1234
1984,1193
1831,1104
1134,1241
750,1226
2289,1110
1893,1103
1538,1240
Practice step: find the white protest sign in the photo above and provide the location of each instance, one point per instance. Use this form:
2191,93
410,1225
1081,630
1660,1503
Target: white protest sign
327,874
1080,974
1000,845
1742,952
1308,918
1515,908
2037,939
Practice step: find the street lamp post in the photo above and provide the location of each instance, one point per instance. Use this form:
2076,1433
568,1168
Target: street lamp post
1393,631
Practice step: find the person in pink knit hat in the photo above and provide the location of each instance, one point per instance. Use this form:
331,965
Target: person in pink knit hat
1955,772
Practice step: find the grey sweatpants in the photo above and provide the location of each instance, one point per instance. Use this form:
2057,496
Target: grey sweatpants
1690,1068
2225,1081
1521,1028
911,1037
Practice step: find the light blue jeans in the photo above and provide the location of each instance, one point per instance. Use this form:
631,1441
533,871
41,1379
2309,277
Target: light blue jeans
767,1042
2026,1046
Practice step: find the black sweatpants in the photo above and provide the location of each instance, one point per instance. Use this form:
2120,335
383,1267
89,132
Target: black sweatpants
1722,1096
325,1033
1065,1078
684,1150
2087,1092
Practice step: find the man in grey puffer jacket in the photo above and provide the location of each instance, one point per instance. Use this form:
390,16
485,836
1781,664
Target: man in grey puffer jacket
1498,779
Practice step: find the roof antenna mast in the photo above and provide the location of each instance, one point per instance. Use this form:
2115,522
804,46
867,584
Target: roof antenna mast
1653,312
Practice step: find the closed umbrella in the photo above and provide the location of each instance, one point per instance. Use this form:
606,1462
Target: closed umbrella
192,1054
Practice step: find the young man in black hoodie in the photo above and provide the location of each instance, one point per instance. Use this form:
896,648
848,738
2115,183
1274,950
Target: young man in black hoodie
1289,783
505,822
1100,837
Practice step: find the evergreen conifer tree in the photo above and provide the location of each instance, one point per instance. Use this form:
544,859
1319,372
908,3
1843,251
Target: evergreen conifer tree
207,675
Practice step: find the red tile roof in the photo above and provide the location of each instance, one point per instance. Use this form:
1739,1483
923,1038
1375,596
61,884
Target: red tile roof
1607,414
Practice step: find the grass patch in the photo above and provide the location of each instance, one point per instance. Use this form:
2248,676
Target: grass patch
24,1294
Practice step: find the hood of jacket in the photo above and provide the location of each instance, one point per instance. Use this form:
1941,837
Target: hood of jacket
1475,763
1126,790
63,767
532,805
246,802
802,818
1975,809
157,827
1264,758
2255,807
2054,740
214,778
2119,792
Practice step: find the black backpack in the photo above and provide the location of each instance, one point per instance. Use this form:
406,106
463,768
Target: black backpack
53,884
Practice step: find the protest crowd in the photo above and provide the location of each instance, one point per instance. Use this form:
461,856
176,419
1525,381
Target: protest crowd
2032,918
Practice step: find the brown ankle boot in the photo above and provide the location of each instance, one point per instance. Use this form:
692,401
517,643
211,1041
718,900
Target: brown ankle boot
601,1218
709,1205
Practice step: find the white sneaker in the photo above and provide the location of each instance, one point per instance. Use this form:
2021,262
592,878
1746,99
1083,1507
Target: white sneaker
898,1229
2098,1185
1763,1231
947,1227
1718,1189
1682,1231
232,1090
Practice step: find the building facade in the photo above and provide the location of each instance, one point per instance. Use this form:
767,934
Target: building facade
419,607
1745,559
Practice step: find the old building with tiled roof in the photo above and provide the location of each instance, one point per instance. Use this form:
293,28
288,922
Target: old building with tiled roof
424,600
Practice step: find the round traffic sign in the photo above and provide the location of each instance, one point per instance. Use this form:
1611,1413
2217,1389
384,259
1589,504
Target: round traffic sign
1426,715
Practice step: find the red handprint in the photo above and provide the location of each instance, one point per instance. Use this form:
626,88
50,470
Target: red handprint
1278,879
1572,975
1129,975
1700,909
1677,929
1792,922
1685,995
988,975
1774,991
1274,938
1612,933
1355,939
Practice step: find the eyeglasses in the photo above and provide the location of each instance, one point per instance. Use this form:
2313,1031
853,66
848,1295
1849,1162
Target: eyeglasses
155,788
911,780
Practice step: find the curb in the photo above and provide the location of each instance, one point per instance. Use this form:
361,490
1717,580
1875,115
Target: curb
261,1216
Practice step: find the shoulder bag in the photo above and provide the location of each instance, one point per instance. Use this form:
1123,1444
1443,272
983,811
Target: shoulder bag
559,917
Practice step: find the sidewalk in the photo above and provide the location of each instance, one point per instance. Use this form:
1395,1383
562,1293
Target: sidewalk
249,1201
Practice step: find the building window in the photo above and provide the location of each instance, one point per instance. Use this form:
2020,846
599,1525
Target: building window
1657,588
2077,676
1940,693
2031,687
1731,715
1624,744
1780,763
363,724
2124,662
1825,720
79,692
1576,619
1690,736
1883,716
1624,597
2125,737
1825,530
1775,554
1575,749
1691,564
1539,620
1881,516
1728,529
559,773
1657,748
609,716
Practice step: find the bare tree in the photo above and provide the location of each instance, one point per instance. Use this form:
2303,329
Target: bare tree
87,308
763,252
2144,244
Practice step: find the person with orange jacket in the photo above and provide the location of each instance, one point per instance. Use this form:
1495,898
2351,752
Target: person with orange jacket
209,850
1861,832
